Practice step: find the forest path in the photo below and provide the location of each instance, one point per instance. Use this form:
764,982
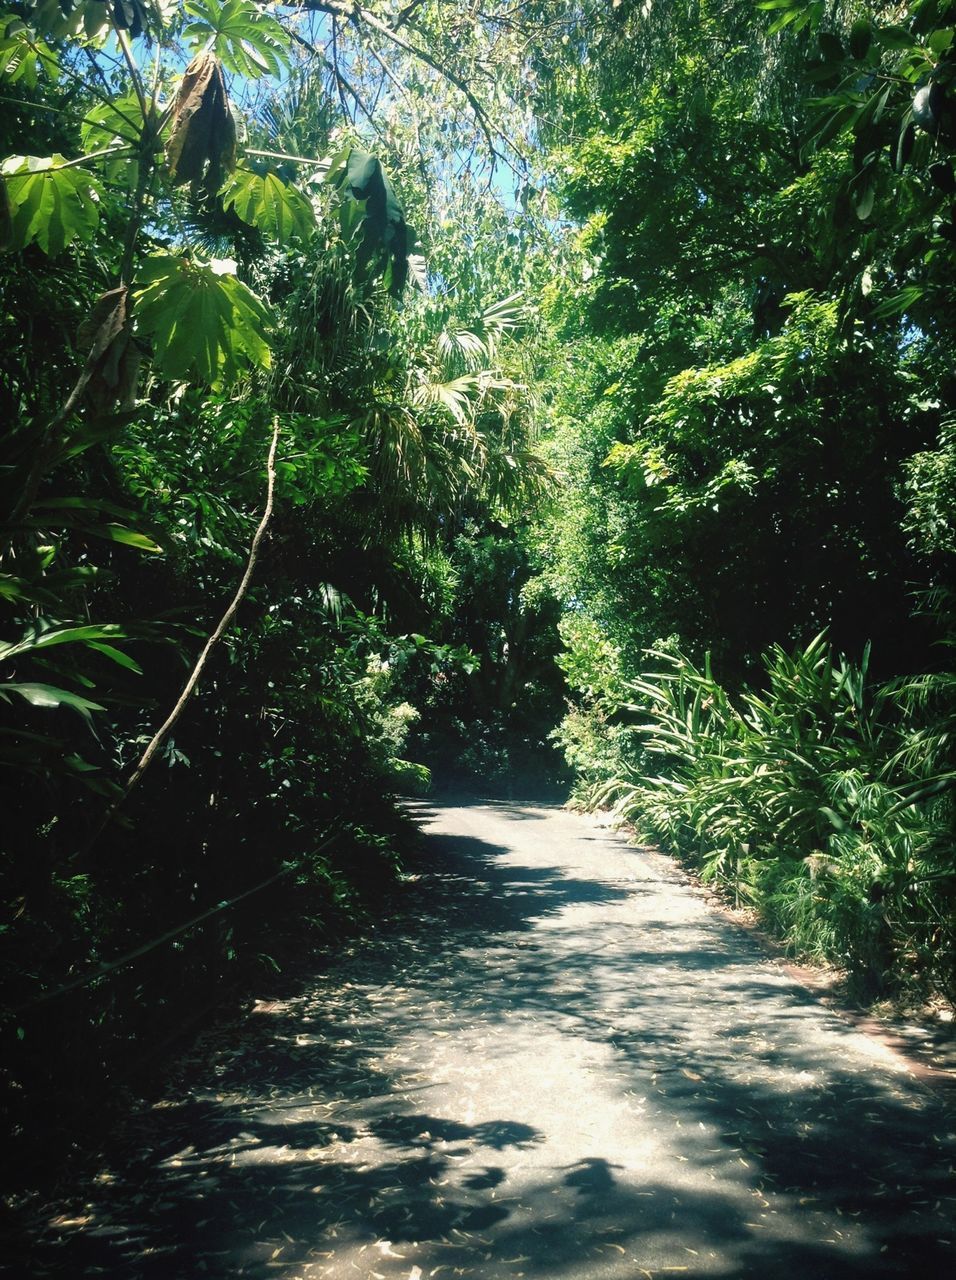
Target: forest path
558,1062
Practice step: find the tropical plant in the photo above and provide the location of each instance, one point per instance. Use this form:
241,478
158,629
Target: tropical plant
810,801
174,226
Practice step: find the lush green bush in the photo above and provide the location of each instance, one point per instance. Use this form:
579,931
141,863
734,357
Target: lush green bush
822,801
594,734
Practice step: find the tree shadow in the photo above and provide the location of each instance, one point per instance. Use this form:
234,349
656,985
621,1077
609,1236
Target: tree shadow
308,1145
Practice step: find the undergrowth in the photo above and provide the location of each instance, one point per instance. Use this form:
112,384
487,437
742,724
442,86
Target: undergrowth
822,801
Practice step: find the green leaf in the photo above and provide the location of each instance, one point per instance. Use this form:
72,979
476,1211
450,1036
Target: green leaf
205,324
832,126
830,46
50,205
418,271
899,302
904,146
48,695
786,19
863,193
79,513
22,55
371,208
861,35
246,40
941,40
96,505
12,588
836,820
894,37
88,635
61,635
62,20
117,122
265,201
128,537
117,656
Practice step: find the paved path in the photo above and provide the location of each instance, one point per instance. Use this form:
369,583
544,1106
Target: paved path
567,1068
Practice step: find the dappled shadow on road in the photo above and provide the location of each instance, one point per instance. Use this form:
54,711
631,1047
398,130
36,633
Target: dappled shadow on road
335,1134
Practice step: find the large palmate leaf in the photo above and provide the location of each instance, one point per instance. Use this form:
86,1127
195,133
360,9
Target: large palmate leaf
265,201
115,122
246,40
22,55
205,324
457,396
49,204
64,19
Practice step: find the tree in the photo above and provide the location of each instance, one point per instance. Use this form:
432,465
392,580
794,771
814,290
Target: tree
174,246
741,381
751,415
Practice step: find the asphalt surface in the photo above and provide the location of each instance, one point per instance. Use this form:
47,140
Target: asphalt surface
556,1061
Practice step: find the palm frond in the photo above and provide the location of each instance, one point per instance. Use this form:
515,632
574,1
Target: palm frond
455,396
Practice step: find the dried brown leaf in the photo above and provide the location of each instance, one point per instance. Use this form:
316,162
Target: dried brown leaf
111,369
202,138
104,322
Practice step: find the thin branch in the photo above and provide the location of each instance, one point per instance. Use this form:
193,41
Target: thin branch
110,97
335,68
138,86
163,732
368,112
389,73
282,155
407,12
37,106
128,957
144,184
75,75
358,16
340,79
127,149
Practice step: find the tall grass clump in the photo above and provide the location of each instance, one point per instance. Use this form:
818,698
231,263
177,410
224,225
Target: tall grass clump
822,801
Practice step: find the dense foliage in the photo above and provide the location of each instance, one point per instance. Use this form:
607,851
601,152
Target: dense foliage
753,420
359,362
231,373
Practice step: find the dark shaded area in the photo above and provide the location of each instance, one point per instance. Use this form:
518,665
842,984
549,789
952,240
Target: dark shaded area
490,726
249,1170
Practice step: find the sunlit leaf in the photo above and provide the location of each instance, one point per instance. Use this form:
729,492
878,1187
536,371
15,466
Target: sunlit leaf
61,635
278,210
245,39
48,695
23,55
50,205
116,122
205,324
117,656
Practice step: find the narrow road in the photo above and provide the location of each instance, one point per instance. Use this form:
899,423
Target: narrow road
559,1063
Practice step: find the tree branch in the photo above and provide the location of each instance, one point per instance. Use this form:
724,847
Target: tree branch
359,17
166,728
